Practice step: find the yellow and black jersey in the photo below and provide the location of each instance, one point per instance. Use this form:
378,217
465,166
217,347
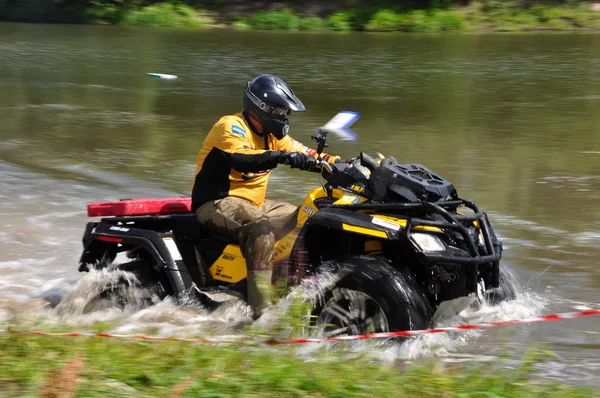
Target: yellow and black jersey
234,161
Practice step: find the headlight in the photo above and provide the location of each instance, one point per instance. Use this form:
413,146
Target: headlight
427,242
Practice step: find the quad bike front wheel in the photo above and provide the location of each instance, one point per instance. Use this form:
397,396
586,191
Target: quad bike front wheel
369,296
507,289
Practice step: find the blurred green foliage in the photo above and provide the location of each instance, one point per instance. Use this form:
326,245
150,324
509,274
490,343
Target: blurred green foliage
337,15
312,23
163,14
274,20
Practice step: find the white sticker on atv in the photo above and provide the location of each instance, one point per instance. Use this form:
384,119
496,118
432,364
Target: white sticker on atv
114,228
308,210
386,223
172,247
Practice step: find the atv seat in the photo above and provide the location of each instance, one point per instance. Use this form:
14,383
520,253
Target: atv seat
187,225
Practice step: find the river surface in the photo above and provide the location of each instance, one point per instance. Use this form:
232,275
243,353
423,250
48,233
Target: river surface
513,120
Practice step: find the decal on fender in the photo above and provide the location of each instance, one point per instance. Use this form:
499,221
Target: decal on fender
308,210
172,247
386,224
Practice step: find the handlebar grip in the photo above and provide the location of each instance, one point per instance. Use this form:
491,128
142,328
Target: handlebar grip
282,158
318,163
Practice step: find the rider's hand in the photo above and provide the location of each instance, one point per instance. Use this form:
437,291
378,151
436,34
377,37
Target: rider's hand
298,160
330,158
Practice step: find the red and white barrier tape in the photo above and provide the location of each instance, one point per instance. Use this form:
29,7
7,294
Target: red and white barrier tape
555,317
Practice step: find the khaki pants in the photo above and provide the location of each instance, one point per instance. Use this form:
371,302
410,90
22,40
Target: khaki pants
251,226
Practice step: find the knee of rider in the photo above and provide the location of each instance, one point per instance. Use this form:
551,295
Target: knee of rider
250,233
260,227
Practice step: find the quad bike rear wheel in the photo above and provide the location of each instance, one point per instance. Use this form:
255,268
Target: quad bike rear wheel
140,284
369,296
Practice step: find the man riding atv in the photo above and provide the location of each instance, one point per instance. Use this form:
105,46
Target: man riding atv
397,246
232,172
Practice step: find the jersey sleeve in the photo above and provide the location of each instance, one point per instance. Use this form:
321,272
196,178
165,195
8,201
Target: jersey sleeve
234,141
288,144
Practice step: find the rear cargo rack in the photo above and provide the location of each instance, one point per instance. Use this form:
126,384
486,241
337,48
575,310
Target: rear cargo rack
140,207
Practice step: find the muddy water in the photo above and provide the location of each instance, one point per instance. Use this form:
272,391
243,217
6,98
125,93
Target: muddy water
512,120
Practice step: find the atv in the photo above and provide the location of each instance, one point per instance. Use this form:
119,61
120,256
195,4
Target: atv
403,249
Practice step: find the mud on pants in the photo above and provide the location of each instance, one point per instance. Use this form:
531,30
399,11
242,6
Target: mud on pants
253,228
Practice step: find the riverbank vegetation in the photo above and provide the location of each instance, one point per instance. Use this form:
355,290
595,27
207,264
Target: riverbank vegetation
98,367
334,15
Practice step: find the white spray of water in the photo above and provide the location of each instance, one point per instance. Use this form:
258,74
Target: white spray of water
450,344
137,311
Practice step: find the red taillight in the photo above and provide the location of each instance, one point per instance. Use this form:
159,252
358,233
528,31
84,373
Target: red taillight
109,239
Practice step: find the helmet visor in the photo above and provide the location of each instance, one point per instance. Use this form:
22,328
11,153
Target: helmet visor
270,110
279,111
279,106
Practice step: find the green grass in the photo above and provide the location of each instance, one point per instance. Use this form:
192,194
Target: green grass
97,367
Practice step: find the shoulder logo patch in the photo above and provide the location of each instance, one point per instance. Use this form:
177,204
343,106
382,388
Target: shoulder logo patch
237,130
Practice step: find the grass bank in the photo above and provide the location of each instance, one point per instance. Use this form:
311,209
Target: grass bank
96,367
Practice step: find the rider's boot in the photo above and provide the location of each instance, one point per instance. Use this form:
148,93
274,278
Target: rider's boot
257,241
260,290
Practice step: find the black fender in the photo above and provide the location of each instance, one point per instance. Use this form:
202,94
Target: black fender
102,237
336,223
363,223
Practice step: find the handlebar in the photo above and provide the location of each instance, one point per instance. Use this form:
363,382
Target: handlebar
325,165
319,163
368,162
363,159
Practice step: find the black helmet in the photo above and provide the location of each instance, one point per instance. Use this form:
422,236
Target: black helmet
269,100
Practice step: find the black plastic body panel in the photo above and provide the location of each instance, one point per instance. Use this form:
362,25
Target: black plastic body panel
151,241
147,232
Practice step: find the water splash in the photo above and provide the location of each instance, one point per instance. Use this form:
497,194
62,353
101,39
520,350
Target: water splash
135,309
116,297
101,295
450,345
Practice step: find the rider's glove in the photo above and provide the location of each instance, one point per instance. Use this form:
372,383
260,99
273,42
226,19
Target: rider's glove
330,158
298,160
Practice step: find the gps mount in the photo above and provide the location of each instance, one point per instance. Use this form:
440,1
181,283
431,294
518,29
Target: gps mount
321,139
